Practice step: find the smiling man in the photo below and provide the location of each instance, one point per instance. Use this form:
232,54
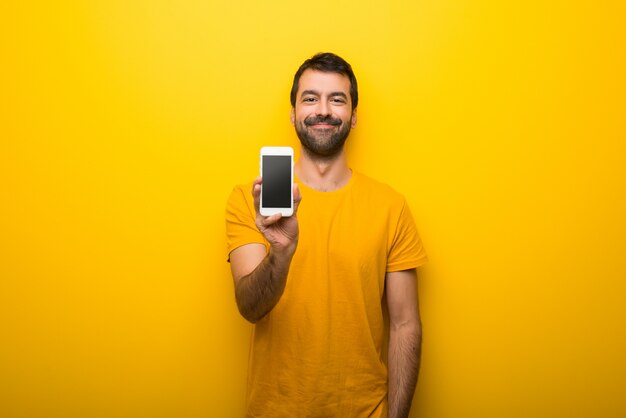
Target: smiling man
324,115
317,284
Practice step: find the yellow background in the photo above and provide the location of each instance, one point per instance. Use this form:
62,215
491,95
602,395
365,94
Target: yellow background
125,124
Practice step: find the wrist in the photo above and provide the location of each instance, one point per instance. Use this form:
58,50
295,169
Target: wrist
281,254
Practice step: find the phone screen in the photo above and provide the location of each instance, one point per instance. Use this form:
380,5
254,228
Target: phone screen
276,181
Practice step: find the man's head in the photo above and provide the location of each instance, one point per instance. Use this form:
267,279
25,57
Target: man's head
324,97
326,62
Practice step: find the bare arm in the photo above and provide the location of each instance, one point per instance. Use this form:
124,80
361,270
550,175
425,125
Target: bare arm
405,337
260,277
260,290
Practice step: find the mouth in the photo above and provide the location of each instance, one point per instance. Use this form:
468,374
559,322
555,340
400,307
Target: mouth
322,123
322,126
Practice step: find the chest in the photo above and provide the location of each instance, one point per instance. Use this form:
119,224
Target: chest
343,242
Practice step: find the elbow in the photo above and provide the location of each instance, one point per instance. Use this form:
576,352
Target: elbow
249,316
411,326
247,311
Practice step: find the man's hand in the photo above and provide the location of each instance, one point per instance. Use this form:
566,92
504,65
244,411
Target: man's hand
281,232
260,277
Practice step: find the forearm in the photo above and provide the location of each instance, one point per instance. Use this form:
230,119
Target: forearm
404,360
258,292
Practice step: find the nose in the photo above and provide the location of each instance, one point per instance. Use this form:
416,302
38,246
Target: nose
323,109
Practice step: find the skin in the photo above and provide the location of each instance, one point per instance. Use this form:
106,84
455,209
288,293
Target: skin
260,276
405,340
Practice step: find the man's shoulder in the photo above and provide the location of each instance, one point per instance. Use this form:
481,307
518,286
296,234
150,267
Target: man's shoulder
243,187
241,195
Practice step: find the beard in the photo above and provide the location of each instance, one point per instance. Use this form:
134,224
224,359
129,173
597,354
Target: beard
323,143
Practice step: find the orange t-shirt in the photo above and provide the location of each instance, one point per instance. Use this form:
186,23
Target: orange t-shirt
319,351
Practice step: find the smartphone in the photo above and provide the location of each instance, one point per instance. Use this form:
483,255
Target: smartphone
277,185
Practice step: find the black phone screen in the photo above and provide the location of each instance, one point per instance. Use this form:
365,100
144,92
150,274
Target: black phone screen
276,189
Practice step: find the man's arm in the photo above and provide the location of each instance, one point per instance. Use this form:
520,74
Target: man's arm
260,277
405,338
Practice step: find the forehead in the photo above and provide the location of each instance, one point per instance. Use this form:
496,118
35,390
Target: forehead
323,82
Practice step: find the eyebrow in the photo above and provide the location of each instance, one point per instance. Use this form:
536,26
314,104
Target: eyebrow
316,93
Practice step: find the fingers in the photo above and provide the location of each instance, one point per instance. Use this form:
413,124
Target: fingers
256,193
271,219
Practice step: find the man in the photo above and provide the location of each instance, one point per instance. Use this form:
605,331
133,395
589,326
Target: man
317,284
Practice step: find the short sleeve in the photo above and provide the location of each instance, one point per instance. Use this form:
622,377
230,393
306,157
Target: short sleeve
406,251
240,221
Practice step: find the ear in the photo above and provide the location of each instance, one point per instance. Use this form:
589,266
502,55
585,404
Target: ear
353,119
292,115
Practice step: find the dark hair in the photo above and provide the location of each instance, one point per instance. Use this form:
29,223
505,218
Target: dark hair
329,63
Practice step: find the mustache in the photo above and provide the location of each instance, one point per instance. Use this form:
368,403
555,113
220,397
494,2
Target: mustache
313,120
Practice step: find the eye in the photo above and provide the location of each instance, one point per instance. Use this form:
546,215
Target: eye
338,100
308,99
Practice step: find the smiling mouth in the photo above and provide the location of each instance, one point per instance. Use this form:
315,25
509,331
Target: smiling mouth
322,122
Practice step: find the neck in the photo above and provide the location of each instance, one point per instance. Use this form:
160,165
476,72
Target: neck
323,174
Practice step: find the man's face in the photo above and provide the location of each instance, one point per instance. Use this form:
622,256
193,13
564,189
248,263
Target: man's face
323,114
